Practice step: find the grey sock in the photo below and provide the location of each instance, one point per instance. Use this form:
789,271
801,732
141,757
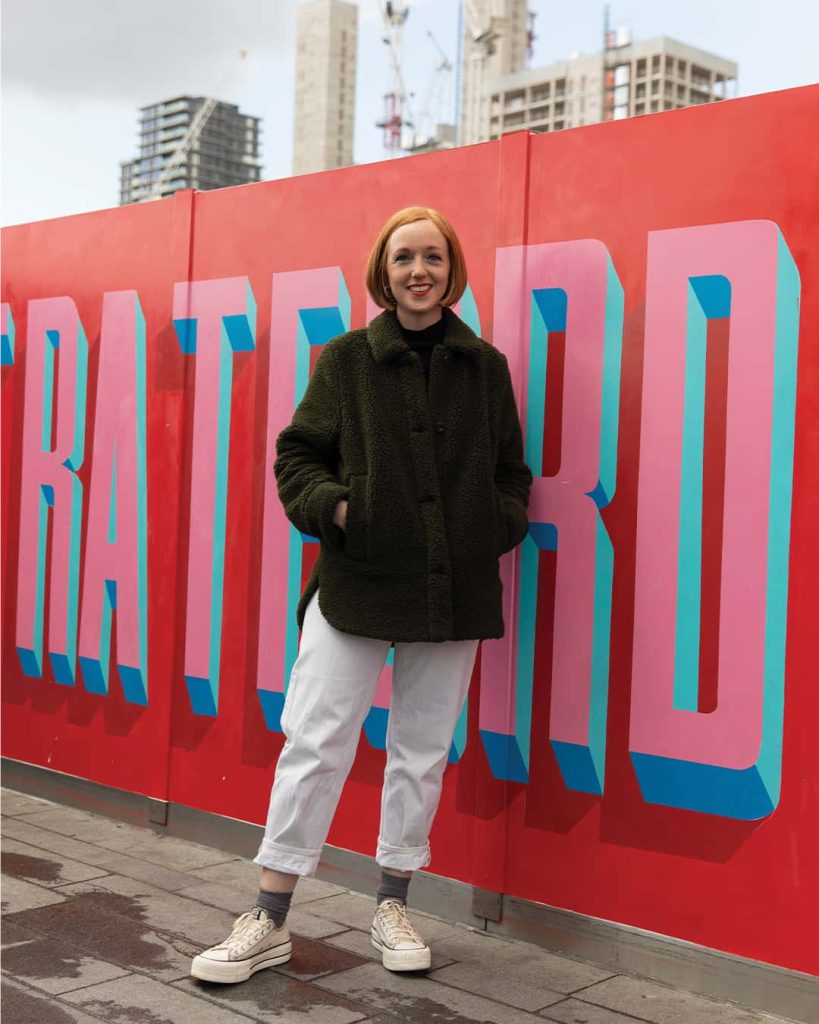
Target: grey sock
392,888
276,904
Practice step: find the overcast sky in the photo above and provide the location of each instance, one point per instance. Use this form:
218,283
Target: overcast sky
75,72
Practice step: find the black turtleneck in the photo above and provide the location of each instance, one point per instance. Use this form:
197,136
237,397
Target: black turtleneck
424,341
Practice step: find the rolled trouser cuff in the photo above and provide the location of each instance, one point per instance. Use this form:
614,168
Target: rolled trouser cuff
287,859
402,858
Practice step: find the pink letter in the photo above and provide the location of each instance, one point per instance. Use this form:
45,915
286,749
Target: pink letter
309,308
213,319
49,481
726,761
116,572
571,287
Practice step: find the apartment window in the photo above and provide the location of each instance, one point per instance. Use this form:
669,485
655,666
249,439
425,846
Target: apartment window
655,106
700,77
513,120
639,108
559,109
655,86
541,92
640,91
681,92
682,68
539,113
668,106
669,65
583,83
668,89
655,64
641,68
560,87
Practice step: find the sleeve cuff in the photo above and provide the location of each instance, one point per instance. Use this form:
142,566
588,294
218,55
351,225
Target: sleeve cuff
320,508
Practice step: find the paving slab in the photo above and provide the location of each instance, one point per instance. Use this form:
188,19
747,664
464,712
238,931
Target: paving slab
360,943
142,843
519,960
357,911
244,875
163,912
23,1006
270,996
17,895
414,999
53,967
146,1001
87,853
302,922
21,803
110,927
573,1011
313,959
660,1005
496,984
19,860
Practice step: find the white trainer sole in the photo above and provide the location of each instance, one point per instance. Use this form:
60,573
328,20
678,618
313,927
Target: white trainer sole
228,972
403,959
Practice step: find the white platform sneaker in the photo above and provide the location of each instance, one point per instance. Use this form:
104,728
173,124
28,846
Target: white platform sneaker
254,943
401,947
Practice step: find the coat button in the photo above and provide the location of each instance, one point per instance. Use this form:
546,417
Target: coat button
439,427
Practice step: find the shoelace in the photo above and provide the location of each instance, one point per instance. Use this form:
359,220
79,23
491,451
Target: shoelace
396,923
246,931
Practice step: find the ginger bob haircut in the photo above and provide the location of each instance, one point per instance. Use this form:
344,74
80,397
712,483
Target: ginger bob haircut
377,282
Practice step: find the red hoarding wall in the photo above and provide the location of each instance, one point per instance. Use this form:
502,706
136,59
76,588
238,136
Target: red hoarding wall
639,745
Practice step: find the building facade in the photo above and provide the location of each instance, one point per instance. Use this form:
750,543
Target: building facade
495,44
224,149
625,80
324,117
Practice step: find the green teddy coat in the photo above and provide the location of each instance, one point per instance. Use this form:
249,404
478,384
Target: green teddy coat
434,476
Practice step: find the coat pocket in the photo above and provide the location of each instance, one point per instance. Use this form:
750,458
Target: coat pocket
355,531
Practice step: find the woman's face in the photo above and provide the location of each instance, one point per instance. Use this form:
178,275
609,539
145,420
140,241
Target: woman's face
418,273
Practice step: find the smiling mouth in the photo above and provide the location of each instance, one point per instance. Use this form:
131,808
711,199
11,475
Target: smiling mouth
420,289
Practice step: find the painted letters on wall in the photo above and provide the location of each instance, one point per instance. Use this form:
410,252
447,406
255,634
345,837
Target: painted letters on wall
649,715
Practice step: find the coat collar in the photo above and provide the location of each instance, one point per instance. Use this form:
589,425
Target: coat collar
387,341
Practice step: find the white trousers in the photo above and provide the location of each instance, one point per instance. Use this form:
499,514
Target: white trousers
331,690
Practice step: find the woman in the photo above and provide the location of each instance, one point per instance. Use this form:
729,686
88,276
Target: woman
405,459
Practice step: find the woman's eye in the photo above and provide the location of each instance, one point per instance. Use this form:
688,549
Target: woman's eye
435,257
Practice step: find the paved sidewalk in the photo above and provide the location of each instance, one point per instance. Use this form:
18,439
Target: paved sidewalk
101,918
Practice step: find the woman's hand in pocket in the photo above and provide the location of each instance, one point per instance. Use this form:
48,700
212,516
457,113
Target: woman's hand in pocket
340,514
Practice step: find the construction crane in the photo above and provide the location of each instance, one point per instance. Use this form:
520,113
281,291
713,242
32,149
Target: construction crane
191,136
431,116
397,105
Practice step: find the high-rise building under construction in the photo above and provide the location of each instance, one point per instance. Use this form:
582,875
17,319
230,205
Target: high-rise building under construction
495,43
324,117
626,79
191,142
